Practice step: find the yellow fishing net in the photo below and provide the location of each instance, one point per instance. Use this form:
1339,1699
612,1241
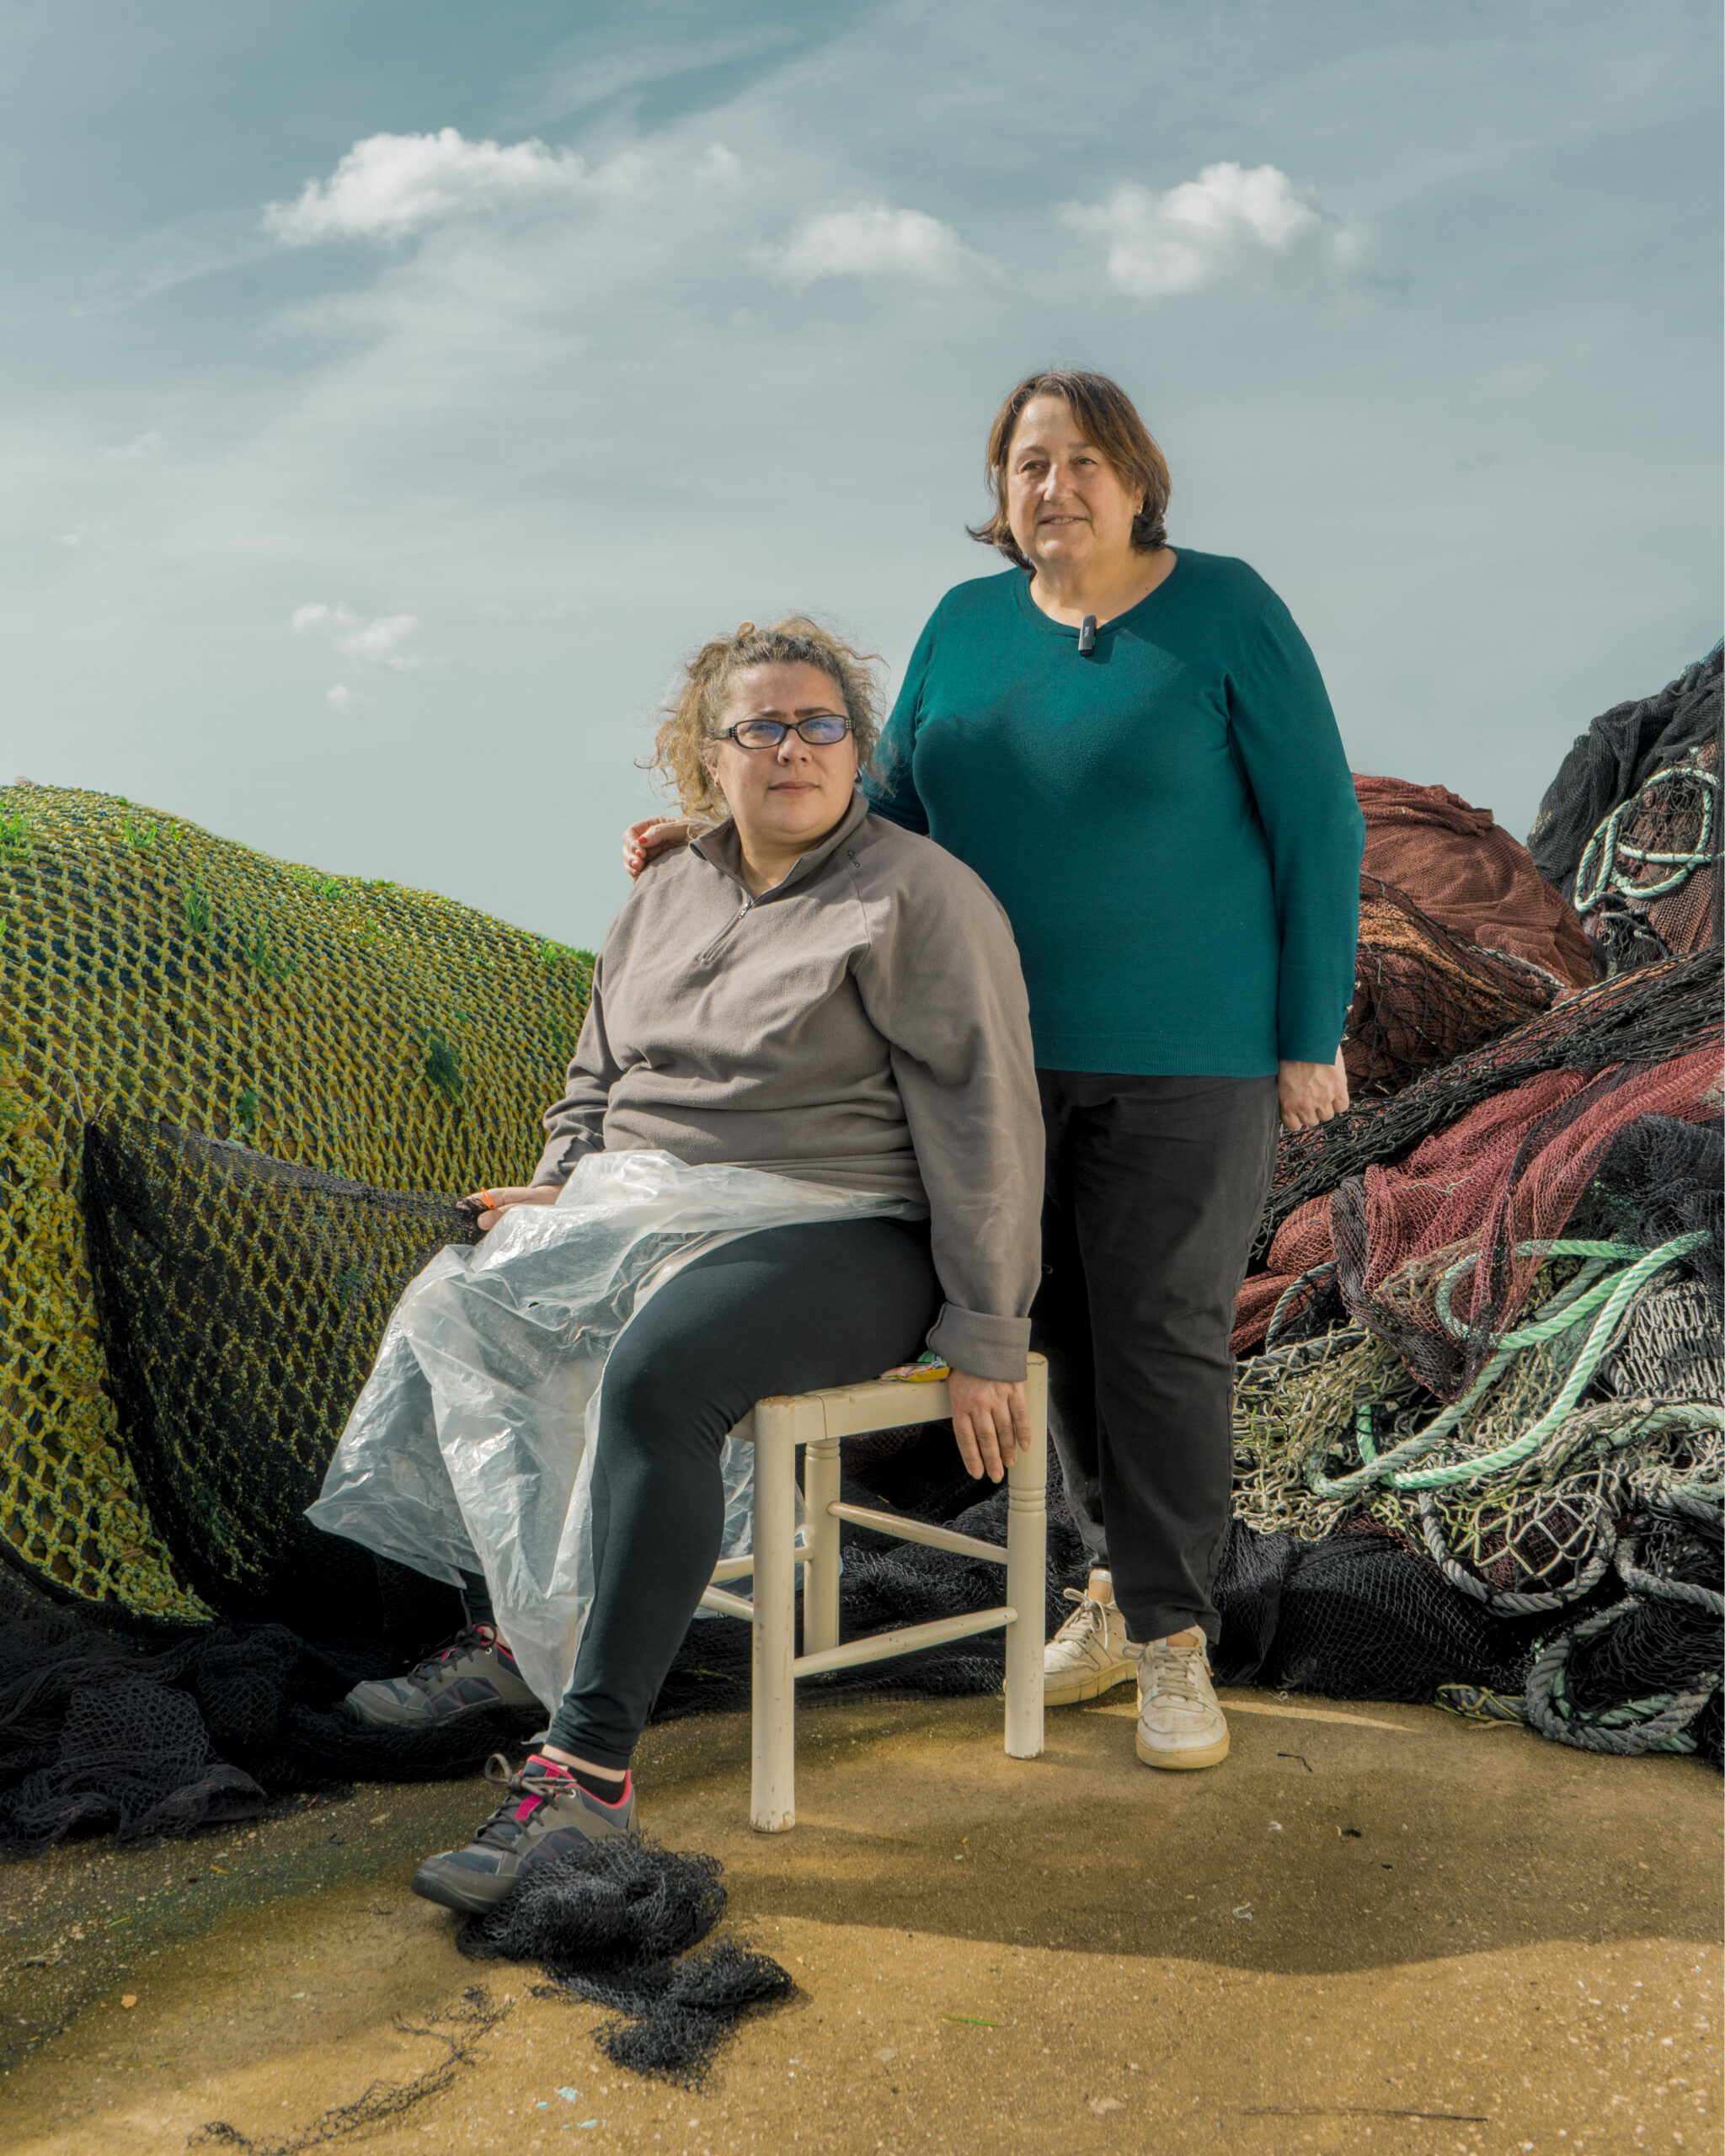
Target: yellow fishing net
153,974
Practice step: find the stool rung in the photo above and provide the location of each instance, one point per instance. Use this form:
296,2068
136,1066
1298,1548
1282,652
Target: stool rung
739,1568
728,1605
917,1530
879,1646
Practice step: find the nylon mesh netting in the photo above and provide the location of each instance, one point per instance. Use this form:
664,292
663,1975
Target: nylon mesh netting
241,1301
1645,1017
1422,997
613,1923
1494,1189
148,969
1617,754
1649,886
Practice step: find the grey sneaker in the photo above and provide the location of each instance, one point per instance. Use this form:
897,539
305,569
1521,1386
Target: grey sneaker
545,1814
472,1675
1180,1720
1091,1653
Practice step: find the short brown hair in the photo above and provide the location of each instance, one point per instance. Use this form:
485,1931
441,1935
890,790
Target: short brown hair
679,750
1110,423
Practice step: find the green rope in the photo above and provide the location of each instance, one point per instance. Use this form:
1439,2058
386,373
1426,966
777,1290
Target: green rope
1598,871
1567,1302
1608,1425
1608,1297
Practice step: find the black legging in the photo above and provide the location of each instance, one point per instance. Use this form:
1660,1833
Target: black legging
790,1309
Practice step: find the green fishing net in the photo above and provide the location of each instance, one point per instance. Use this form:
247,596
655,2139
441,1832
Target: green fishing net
155,978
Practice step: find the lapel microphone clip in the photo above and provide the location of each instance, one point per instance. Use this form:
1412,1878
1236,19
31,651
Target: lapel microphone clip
1087,636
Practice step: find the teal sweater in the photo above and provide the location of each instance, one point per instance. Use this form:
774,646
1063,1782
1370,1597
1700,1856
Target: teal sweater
1169,822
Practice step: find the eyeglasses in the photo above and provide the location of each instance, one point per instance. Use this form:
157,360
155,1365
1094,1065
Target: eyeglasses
819,731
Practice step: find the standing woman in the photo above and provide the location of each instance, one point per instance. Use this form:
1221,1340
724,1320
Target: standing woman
1134,749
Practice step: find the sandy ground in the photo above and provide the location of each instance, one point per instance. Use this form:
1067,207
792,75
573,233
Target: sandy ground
1376,1929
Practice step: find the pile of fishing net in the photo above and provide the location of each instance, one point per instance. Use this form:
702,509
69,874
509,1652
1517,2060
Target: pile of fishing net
1484,1321
1460,938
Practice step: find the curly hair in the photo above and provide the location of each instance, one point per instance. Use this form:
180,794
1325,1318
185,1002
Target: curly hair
681,748
1110,421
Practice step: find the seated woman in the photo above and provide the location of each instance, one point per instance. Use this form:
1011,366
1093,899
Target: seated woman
813,992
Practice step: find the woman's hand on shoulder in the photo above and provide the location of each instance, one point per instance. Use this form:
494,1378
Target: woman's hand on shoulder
495,1204
643,842
1312,1093
991,1421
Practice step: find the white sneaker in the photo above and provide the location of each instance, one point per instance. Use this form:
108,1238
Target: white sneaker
1091,1653
1179,1722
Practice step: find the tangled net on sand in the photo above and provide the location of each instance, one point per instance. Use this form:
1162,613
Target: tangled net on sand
614,1924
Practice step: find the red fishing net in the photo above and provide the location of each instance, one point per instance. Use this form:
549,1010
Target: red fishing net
1642,1017
1460,938
1457,864
1508,1173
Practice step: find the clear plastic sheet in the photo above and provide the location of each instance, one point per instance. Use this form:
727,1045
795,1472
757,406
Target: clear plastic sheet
470,1447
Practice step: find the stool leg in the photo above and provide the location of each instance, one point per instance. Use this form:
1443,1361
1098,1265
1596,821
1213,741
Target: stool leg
1027,1572
821,1569
772,1778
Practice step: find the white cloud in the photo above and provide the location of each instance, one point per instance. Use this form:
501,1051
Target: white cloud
1227,223
376,643
389,185
340,697
871,239
719,167
142,445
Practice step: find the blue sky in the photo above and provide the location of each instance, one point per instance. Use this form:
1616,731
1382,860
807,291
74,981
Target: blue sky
395,391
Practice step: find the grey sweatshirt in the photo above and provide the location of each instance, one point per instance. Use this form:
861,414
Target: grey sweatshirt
863,1023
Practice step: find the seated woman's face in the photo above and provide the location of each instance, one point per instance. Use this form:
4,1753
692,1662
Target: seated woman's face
794,791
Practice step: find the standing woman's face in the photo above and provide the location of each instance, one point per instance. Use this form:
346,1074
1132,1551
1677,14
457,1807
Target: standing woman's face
1064,501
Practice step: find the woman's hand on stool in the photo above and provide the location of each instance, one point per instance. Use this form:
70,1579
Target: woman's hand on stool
991,1421
495,1204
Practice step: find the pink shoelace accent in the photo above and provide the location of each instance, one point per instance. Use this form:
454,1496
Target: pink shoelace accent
553,1772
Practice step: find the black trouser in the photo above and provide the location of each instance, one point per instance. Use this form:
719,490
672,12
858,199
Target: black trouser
789,1309
1154,1189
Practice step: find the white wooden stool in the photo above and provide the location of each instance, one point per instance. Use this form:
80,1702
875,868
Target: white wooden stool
816,1420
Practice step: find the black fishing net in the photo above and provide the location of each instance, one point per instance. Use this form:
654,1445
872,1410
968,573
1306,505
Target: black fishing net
613,1923
241,1301
1615,758
1357,1614
1651,1664
1646,1017
109,1722
1667,1177
232,1286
